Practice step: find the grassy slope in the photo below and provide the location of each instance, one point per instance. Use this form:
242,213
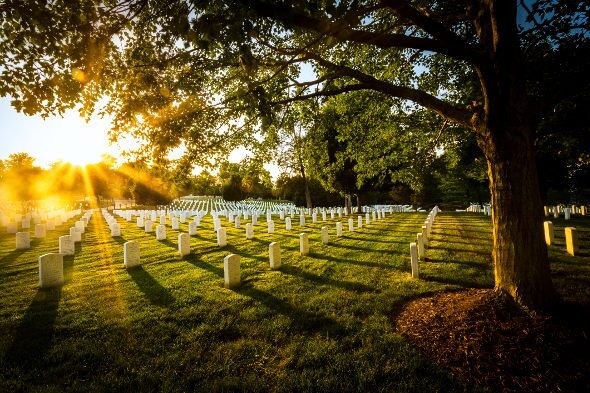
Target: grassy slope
321,323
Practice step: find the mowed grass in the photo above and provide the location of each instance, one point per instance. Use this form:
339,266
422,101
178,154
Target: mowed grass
322,322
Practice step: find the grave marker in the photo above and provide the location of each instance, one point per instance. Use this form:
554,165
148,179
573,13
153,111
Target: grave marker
303,244
184,244
221,237
414,259
51,270
131,254
231,271
274,255
115,229
325,236
249,231
148,226
40,231
76,234
549,234
161,232
288,223
23,240
66,245
571,241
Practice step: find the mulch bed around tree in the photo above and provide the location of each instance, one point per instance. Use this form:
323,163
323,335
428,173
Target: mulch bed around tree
484,338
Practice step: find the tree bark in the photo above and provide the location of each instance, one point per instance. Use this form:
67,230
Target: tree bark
505,133
521,264
359,205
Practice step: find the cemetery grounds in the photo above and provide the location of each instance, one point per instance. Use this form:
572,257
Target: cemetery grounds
346,317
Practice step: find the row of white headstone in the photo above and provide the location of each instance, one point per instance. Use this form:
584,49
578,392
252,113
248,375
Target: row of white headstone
571,238
51,219
51,265
417,249
131,251
567,211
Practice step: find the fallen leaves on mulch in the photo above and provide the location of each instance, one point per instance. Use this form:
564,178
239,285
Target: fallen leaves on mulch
484,338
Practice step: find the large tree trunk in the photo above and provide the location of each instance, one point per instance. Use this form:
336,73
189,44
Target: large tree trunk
520,258
505,134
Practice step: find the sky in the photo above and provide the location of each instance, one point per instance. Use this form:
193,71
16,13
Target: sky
68,138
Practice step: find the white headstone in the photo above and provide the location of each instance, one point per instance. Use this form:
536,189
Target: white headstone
51,270
325,236
115,229
314,217
339,229
148,226
571,240
23,240
350,225
131,254
81,225
425,236
221,237
175,223
249,231
162,220
367,219
420,246
274,253
184,244
237,222
288,223
360,222
271,226
26,223
76,234
549,234
66,245
567,213
231,271
302,220
414,259
192,228
303,244
161,232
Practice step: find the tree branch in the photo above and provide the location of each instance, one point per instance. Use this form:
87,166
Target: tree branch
448,111
450,44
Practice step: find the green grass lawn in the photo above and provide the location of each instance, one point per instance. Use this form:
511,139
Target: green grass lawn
321,323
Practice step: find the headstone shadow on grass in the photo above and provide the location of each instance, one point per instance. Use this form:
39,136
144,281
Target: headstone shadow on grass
152,289
68,267
120,239
34,336
12,255
354,262
302,321
317,279
463,282
194,260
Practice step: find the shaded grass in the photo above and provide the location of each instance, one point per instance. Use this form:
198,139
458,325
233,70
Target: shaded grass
321,323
